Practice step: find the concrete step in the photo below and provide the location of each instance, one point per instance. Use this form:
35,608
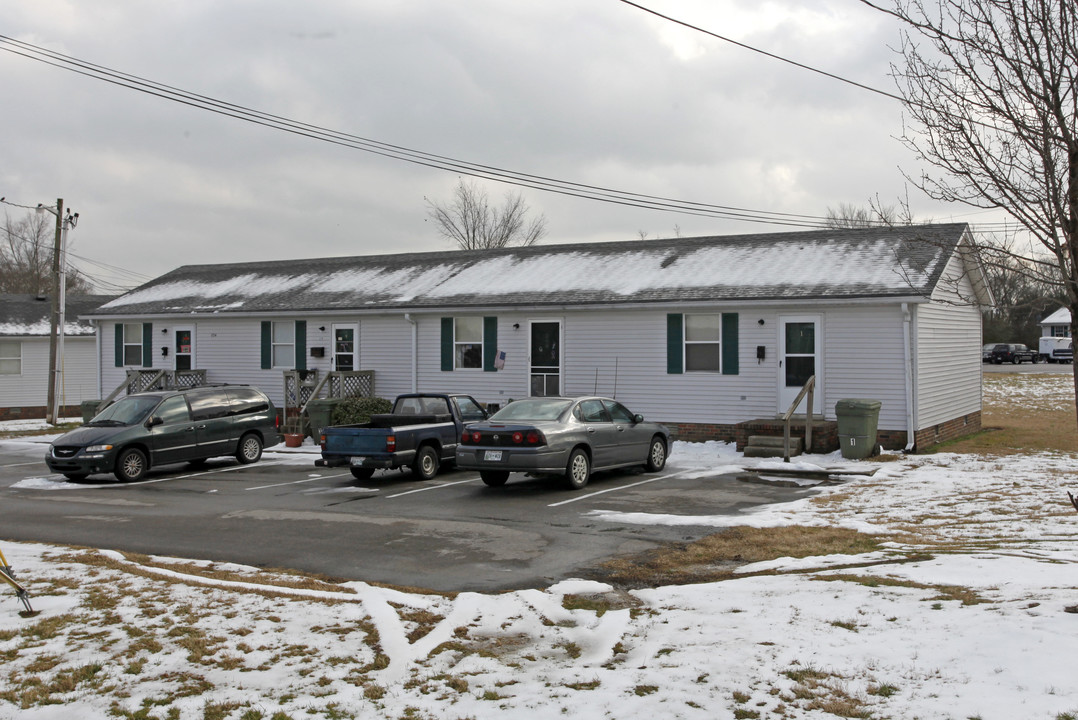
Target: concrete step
772,446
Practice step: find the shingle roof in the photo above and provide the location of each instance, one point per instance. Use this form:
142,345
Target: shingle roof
873,262
31,315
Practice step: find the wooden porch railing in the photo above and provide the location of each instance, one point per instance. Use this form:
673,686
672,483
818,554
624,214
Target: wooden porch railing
807,390
138,381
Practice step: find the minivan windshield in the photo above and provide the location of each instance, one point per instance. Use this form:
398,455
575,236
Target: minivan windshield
129,410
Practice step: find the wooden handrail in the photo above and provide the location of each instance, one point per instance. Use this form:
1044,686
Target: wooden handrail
808,389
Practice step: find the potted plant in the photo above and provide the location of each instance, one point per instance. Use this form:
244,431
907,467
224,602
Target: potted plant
292,430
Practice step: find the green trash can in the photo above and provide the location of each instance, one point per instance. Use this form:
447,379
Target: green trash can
857,424
319,413
89,409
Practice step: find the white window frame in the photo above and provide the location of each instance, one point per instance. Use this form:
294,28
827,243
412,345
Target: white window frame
687,343
5,358
278,344
137,343
459,345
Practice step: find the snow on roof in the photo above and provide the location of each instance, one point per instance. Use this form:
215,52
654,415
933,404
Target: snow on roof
1062,316
31,315
875,262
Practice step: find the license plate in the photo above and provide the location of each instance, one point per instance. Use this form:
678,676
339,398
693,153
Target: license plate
357,460
493,455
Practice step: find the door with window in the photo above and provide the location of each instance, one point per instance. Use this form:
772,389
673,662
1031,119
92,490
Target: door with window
545,358
344,348
183,349
799,359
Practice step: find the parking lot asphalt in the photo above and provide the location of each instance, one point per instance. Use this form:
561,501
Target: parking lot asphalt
452,533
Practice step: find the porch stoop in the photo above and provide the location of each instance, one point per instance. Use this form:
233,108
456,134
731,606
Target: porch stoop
772,446
824,434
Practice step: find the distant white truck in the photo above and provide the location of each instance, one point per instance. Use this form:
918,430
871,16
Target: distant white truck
1056,349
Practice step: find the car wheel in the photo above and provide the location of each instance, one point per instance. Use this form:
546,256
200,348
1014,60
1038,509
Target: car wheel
656,455
249,450
131,465
362,473
76,476
578,470
1015,360
426,463
494,478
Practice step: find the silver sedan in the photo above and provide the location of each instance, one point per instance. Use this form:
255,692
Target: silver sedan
562,436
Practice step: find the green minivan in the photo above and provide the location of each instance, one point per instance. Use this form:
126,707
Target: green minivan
148,429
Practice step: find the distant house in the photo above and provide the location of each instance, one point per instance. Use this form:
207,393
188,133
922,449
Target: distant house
25,329
1058,324
704,334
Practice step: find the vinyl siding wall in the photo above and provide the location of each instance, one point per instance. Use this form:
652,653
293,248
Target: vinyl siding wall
948,337
30,388
863,352
620,351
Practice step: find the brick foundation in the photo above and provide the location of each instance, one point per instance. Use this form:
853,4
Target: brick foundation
949,430
37,413
824,433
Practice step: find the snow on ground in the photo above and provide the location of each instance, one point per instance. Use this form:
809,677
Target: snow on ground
966,612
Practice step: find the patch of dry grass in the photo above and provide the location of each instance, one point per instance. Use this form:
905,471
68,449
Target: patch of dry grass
717,556
1017,419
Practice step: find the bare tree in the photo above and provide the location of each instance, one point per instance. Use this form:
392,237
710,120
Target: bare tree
991,88
875,215
26,250
471,223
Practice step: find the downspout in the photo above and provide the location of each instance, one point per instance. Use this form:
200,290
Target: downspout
907,359
97,353
415,351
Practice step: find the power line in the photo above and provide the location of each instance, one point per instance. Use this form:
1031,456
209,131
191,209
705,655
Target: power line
419,157
399,152
765,53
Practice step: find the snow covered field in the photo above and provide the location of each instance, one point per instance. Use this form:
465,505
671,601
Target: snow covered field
969,611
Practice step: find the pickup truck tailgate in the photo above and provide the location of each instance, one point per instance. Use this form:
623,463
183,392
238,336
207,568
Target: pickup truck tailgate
370,440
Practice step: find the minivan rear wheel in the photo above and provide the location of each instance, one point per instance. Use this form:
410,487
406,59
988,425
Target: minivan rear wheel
131,465
249,449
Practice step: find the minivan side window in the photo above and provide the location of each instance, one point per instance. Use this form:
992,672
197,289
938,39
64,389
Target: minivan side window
247,401
208,405
173,410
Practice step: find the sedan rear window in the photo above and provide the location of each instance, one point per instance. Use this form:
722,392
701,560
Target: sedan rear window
533,409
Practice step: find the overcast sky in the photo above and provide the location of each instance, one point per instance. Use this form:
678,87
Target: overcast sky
587,91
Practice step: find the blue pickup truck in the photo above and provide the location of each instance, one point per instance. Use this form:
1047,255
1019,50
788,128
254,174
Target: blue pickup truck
421,433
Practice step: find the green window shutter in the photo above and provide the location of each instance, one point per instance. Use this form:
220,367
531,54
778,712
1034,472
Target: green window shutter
267,345
729,344
119,333
490,343
675,344
447,343
301,344
147,344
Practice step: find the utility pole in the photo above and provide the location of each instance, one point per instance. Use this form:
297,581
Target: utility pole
59,304
50,410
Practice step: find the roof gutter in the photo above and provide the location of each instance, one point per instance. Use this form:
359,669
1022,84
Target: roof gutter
415,351
907,360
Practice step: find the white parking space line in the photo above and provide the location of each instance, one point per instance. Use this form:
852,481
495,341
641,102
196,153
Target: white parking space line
425,489
36,462
299,482
621,487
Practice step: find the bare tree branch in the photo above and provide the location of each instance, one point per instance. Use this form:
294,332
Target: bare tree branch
472,224
26,249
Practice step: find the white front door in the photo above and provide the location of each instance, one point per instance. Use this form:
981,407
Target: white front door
345,355
799,359
183,348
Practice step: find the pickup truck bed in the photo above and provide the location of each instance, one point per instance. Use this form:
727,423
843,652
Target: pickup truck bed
421,441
